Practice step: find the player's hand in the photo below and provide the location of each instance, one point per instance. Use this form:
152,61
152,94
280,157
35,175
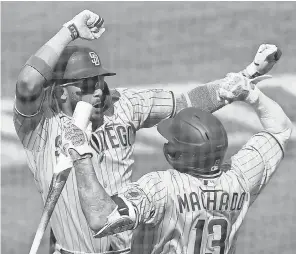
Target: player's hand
97,117
236,87
74,138
265,58
88,25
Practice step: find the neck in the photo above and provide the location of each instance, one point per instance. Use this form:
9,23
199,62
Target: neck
201,174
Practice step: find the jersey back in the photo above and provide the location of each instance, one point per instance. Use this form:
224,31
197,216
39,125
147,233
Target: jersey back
200,215
179,213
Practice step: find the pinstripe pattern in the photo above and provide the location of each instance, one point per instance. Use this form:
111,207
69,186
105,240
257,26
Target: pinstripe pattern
178,213
134,110
258,160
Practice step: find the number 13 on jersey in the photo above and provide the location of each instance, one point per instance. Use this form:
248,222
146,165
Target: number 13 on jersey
211,235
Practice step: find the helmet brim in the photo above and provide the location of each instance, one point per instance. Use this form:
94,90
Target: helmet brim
165,129
103,72
82,73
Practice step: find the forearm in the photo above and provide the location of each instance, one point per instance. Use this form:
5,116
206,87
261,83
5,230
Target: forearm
202,96
51,50
205,96
96,204
272,117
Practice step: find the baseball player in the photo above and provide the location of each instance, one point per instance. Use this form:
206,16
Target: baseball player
199,205
49,86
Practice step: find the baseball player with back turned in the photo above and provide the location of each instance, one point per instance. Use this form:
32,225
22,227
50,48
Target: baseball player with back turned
48,88
199,205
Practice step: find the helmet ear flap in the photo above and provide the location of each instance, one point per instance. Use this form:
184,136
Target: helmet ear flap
171,151
174,156
198,161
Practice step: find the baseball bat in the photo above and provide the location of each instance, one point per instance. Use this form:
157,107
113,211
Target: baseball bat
81,118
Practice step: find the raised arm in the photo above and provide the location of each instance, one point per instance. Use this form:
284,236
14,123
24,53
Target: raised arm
147,107
205,96
38,71
261,156
272,117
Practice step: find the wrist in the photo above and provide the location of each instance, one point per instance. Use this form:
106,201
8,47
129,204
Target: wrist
251,71
65,35
72,30
245,73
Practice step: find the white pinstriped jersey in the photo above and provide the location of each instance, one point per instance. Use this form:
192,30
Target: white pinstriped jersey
179,213
39,135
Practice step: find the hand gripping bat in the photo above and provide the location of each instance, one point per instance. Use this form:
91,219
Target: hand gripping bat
62,170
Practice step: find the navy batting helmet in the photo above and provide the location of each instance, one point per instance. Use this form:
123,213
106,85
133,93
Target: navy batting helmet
197,141
78,62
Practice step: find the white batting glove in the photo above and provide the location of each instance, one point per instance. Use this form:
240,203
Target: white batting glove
265,58
236,87
74,138
86,25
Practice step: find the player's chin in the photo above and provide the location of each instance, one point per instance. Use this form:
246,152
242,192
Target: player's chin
97,111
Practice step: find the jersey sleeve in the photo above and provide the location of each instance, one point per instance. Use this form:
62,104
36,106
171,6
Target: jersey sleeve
257,161
147,107
32,129
202,96
148,196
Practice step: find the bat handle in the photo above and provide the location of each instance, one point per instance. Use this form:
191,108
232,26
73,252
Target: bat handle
81,118
82,114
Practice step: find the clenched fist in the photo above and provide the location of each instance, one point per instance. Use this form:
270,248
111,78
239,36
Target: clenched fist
86,25
266,57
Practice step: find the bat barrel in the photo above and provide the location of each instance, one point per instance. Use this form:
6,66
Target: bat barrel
57,184
40,232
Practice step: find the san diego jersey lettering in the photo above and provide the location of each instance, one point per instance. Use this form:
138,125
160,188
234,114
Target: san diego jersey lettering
40,133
